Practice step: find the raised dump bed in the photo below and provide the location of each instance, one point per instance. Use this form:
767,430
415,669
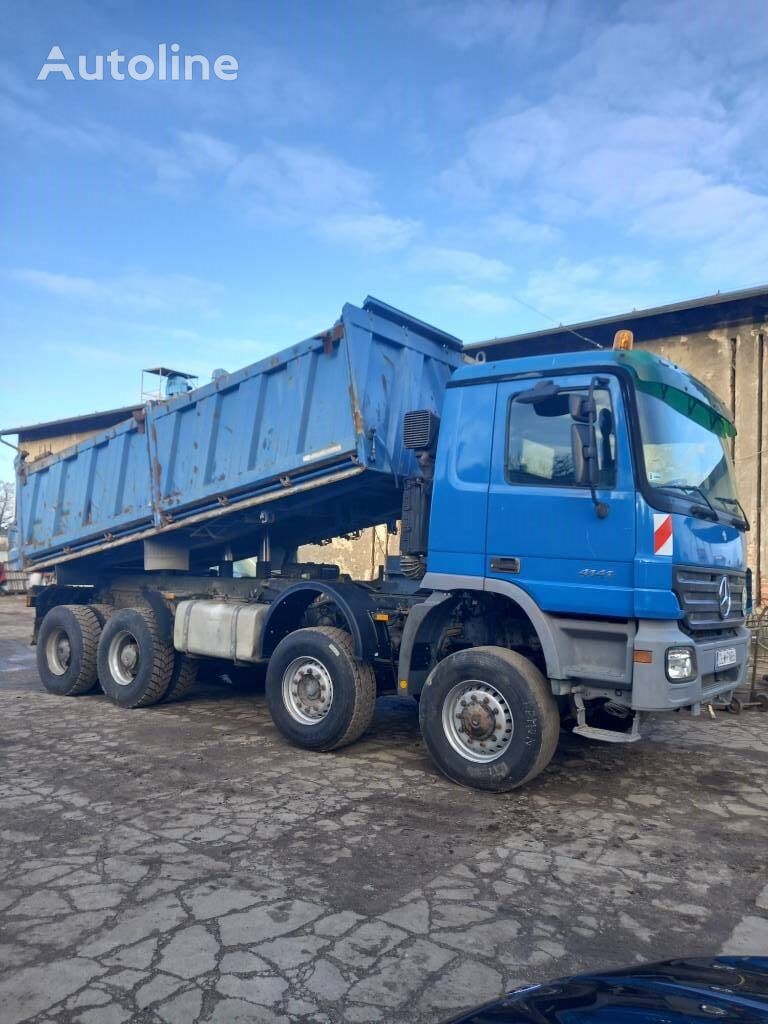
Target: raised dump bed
308,442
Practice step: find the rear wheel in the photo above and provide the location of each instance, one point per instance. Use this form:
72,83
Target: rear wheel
489,719
66,650
183,677
319,694
135,662
102,612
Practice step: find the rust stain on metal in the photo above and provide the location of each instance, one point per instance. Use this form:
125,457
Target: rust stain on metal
157,469
331,337
357,415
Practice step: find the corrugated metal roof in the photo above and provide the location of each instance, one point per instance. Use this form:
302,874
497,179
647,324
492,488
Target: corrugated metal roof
721,309
166,371
88,421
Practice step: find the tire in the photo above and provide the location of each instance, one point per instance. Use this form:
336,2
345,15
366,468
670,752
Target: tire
66,650
102,613
183,677
321,657
135,662
502,738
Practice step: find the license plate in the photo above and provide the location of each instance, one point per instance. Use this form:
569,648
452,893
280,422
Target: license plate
725,656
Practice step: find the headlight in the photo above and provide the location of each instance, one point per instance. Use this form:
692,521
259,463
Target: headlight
681,664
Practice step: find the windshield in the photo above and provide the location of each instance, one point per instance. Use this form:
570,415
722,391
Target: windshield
681,454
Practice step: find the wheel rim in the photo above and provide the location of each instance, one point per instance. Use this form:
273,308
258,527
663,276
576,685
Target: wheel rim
307,690
58,652
477,721
123,657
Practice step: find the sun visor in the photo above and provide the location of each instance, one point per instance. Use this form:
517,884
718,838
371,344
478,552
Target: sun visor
679,391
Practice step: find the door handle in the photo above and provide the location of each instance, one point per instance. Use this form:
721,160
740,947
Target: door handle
505,564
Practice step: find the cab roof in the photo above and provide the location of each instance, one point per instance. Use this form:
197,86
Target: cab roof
653,374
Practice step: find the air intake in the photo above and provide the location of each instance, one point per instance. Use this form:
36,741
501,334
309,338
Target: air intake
420,430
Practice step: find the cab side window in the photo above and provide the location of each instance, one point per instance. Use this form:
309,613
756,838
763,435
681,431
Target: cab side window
539,441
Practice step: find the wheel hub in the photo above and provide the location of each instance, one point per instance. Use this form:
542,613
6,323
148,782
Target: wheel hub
123,657
307,690
64,650
477,721
58,652
129,656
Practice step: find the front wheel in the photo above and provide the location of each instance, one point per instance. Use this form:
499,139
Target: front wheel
489,719
319,694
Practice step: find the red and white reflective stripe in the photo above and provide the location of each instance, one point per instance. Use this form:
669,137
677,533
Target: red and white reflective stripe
662,534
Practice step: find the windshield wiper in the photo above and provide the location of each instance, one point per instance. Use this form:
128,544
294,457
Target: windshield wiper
710,512
705,511
742,520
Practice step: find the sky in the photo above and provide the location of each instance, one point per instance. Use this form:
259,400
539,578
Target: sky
491,167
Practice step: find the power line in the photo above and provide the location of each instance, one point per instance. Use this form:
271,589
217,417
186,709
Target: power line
546,316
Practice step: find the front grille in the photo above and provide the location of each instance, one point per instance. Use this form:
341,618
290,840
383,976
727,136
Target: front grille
698,591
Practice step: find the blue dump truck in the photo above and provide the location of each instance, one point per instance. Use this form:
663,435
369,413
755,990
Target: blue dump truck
571,544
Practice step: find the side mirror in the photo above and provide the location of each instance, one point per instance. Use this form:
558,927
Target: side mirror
584,451
585,468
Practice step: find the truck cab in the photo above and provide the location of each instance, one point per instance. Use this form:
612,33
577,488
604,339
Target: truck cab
596,491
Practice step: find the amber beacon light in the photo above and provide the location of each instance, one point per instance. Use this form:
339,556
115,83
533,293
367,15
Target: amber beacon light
623,340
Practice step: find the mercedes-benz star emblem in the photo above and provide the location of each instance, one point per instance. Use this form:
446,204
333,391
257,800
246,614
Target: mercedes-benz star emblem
724,597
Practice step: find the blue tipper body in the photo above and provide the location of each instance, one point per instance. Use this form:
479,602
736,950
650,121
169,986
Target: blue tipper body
313,433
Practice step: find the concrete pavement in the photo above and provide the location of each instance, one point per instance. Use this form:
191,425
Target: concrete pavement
184,864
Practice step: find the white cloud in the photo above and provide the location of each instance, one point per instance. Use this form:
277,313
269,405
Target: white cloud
28,124
521,231
296,185
457,263
208,152
142,291
522,25
105,354
66,285
462,297
653,128
375,232
286,181
310,188
11,81
570,291
273,90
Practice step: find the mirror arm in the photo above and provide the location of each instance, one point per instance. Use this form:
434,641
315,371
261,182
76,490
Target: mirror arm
601,508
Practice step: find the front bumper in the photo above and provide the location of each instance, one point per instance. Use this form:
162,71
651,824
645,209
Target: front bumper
652,691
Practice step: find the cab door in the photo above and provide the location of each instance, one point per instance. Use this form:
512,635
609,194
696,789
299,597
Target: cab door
543,530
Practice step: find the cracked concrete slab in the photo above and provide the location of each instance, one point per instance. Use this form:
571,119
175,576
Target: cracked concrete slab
184,864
